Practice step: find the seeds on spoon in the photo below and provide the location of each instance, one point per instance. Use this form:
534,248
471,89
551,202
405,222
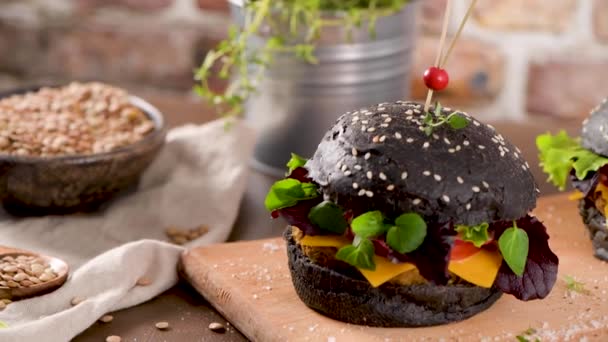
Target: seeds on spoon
24,271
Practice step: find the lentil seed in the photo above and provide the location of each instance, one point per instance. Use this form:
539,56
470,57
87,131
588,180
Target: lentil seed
143,281
162,325
106,318
76,300
217,327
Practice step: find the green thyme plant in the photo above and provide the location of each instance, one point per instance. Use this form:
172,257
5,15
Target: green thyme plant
268,18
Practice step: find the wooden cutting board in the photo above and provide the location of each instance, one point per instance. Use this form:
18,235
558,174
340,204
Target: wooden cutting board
249,283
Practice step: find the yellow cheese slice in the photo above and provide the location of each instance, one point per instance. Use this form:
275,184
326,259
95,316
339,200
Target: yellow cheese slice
325,241
479,269
385,271
603,190
576,195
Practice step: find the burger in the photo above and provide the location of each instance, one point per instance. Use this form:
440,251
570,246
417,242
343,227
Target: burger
584,162
407,218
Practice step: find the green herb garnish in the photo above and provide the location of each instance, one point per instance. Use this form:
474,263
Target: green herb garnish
407,234
478,235
575,286
328,216
295,162
368,225
525,336
288,192
560,153
281,22
437,119
361,256
3,325
514,246
404,236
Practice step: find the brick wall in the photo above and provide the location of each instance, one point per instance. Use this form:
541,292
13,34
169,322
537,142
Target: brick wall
517,59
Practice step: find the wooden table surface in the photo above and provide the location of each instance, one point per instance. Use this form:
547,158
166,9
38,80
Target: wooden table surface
186,310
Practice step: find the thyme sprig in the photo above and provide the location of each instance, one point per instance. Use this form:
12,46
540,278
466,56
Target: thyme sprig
269,18
574,285
437,119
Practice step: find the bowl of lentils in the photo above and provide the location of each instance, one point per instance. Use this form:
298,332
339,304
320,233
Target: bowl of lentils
72,148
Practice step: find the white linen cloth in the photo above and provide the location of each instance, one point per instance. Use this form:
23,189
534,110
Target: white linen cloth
198,179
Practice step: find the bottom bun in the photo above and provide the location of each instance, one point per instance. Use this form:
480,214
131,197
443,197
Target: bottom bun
596,225
355,301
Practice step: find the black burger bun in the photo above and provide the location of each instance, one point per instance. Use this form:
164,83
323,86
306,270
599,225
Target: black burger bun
594,135
596,225
354,301
379,159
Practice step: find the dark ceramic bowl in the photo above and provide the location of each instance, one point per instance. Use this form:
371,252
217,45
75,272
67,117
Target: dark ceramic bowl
75,183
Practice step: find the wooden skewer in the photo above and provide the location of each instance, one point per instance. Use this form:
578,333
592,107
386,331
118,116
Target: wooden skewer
442,59
444,33
457,35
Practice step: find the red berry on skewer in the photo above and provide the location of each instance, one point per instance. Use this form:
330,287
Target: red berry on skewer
436,79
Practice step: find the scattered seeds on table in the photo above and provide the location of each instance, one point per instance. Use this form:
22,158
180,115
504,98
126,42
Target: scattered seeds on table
106,318
180,236
217,327
113,338
162,325
143,281
76,300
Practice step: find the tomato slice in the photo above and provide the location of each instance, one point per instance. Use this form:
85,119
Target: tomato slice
462,250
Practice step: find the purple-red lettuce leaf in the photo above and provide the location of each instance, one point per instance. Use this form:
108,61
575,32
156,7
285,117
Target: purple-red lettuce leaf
298,216
540,273
300,174
431,258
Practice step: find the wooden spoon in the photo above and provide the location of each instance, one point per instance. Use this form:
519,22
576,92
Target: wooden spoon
59,266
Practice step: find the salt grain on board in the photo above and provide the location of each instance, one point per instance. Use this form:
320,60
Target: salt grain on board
270,246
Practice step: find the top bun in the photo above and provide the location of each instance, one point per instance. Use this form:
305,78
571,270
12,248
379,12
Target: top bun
595,130
380,159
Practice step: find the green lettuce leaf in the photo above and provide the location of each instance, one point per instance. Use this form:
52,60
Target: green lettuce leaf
514,246
369,225
560,153
288,192
407,234
361,256
295,162
328,216
478,235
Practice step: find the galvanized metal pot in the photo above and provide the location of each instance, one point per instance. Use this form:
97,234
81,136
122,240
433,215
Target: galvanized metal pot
298,102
